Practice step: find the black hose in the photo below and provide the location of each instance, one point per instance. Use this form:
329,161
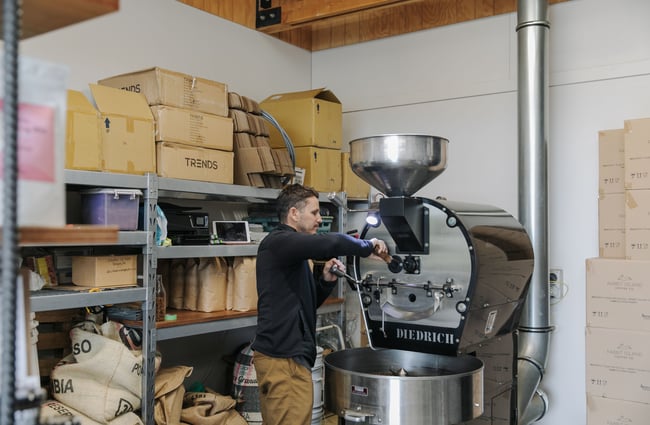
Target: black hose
9,264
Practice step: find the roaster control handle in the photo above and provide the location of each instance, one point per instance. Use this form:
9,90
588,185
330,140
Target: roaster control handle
338,272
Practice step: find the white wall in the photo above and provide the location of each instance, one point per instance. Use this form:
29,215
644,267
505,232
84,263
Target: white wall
459,82
169,34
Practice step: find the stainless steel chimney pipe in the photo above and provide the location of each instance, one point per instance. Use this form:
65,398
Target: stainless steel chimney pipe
534,329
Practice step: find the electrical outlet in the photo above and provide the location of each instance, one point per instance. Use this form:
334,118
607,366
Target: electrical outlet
556,276
555,281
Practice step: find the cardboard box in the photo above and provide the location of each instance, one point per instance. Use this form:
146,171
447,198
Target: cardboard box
179,125
310,118
322,168
105,271
165,87
83,140
637,154
605,411
127,131
618,364
618,294
637,224
611,225
194,163
351,184
611,161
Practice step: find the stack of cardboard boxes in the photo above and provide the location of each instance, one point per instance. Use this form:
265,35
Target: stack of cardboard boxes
149,121
192,130
618,282
256,164
313,121
186,127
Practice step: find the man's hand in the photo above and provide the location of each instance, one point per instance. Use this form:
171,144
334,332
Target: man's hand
327,275
380,251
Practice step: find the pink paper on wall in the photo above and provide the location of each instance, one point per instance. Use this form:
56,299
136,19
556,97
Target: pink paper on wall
35,143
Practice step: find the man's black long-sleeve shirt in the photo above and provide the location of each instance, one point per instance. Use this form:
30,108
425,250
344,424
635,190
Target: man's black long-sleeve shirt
288,293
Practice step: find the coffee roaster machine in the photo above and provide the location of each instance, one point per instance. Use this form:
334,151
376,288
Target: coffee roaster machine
441,312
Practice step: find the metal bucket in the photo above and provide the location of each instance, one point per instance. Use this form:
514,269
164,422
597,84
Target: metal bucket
391,387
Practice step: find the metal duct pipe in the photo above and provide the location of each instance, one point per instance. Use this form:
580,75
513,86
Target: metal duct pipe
534,330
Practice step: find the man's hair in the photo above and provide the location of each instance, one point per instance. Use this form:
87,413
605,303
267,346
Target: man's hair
293,195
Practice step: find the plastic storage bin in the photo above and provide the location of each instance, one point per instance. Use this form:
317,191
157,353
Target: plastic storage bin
111,207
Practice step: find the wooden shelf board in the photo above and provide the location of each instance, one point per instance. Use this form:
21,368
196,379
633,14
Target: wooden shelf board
41,16
186,317
73,234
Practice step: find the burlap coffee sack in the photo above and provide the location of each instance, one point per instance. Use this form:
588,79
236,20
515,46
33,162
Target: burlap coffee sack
210,408
52,408
169,392
102,378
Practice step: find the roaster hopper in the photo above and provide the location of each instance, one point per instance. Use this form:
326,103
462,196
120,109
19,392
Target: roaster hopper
457,282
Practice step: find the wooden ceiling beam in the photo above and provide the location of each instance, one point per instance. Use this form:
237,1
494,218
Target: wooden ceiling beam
323,24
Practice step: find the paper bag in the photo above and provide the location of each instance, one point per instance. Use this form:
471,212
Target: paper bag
213,282
191,293
176,284
245,287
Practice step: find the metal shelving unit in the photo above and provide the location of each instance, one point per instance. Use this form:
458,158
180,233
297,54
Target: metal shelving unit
53,299
218,325
155,188
57,299
102,179
188,251
223,324
178,188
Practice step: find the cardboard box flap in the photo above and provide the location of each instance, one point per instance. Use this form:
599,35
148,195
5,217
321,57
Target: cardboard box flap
320,93
121,102
641,125
248,161
78,102
283,163
145,84
266,156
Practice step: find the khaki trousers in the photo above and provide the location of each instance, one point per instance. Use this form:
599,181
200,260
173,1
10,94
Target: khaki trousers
286,390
